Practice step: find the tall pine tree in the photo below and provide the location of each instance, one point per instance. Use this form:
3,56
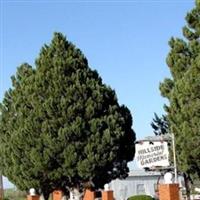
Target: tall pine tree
183,93
160,125
61,126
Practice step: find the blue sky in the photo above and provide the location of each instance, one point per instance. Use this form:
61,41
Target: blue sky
125,41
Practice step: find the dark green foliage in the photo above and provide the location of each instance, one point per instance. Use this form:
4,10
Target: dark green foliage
141,197
61,126
6,198
160,125
183,93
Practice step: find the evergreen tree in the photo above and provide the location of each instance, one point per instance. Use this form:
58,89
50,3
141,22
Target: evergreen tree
183,93
160,125
61,126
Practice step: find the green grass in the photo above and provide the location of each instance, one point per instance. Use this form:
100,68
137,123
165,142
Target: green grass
13,194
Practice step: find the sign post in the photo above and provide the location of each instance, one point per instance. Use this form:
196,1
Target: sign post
150,154
174,155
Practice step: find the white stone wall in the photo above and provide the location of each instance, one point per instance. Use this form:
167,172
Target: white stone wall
128,187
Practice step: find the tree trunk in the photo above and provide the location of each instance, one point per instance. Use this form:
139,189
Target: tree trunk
187,186
45,194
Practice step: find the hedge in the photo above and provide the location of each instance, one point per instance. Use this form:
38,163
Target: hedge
141,197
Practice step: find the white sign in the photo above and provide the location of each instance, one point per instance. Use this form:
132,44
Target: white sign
152,154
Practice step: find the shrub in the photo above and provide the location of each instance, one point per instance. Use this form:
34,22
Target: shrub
141,197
